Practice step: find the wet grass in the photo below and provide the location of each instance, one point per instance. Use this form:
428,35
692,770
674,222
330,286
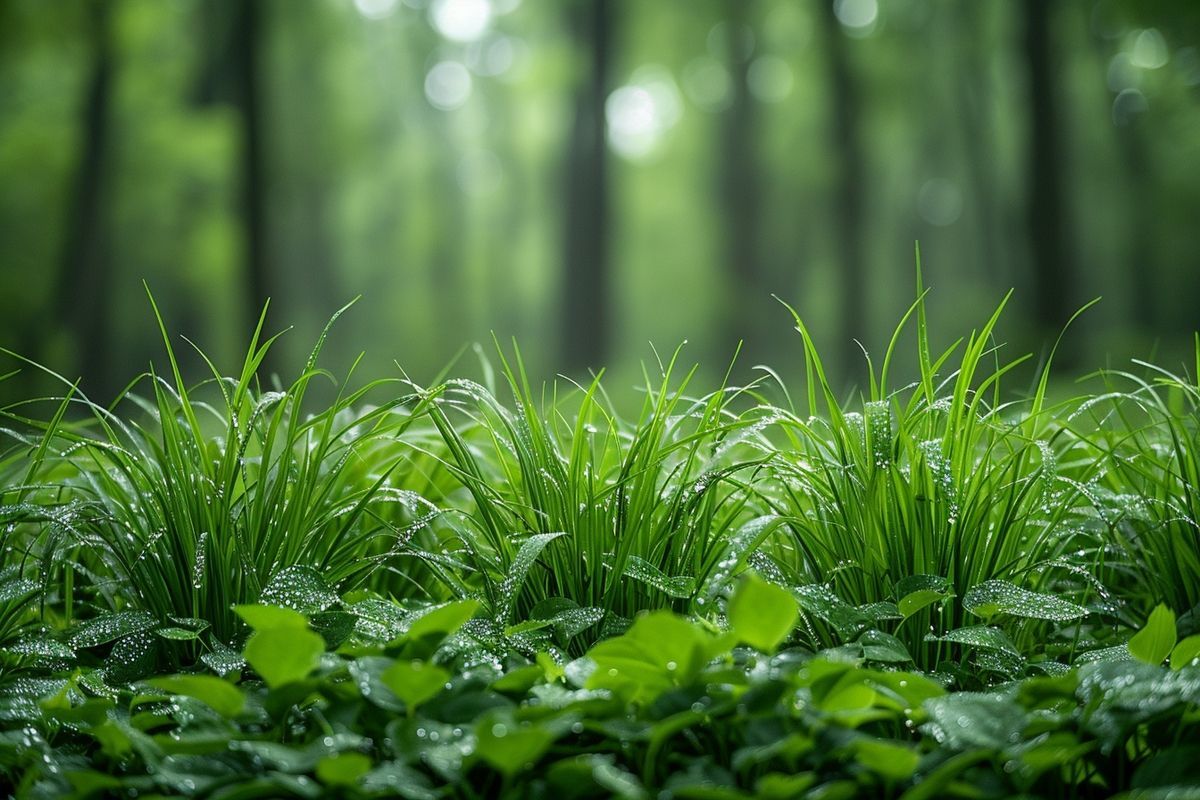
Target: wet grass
571,596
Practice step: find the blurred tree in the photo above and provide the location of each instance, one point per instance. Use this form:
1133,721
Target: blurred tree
85,274
739,189
586,273
848,205
1045,205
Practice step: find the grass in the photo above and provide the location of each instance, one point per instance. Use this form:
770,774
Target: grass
626,601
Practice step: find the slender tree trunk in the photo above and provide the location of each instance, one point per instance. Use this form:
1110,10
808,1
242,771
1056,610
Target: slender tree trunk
1045,204
976,92
85,279
739,191
848,194
586,289
246,46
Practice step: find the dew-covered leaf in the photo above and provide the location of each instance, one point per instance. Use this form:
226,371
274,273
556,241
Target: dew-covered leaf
514,579
821,602
299,588
107,628
1000,597
680,587
177,634
221,696
978,636
131,657
223,660
880,646
971,719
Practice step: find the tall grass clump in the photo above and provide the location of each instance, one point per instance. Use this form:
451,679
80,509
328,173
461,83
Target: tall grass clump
1148,426
928,489
574,505
190,499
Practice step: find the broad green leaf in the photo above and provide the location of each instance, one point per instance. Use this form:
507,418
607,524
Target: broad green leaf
110,627
659,652
443,620
894,761
761,613
978,636
415,681
1185,652
282,649
260,617
176,634
299,588
509,745
966,720
342,769
880,646
1000,597
681,587
1154,642
219,695
913,602
131,658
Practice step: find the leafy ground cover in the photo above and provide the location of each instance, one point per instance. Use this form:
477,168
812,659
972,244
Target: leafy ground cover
476,589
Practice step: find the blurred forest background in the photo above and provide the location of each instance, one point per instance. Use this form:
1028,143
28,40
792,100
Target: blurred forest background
592,175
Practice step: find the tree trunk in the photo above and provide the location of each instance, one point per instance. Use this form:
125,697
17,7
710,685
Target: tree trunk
1045,203
586,279
739,192
246,54
848,194
85,279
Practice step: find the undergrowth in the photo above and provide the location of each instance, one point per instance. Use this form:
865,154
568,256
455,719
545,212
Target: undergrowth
932,588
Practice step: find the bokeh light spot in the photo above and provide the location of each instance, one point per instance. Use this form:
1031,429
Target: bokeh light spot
461,20
1149,50
376,9
640,113
706,83
858,17
448,85
770,79
940,202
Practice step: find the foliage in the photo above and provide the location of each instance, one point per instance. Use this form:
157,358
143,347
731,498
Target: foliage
230,592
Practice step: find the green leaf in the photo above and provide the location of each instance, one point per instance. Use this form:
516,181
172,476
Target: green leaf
260,617
415,681
1154,642
880,646
283,649
680,587
299,588
110,627
659,652
509,745
978,636
219,695
428,630
342,769
913,602
761,613
1185,652
893,761
1000,597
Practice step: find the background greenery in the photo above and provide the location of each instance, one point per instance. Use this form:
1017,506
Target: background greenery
447,160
